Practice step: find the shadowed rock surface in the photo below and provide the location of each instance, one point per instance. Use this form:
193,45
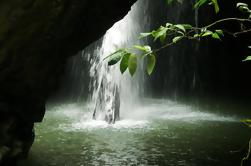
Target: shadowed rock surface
36,37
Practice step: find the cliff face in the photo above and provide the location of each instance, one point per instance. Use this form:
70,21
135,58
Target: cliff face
209,68
36,37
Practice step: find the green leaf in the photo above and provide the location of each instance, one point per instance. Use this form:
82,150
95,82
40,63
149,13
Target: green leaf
160,32
187,26
216,36
151,61
241,4
203,30
143,48
216,6
132,64
180,27
207,33
247,120
124,63
219,32
116,56
177,38
162,38
196,35
243,7
143,35
199,3
168,25
247,59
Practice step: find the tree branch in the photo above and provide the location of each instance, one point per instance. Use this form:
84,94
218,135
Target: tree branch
241,32
248,153
194,29
227,19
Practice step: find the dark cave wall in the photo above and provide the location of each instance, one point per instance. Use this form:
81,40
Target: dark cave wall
205,69
36,37
231,76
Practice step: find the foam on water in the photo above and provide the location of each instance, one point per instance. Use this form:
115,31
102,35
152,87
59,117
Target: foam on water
174,111
99,124
143,116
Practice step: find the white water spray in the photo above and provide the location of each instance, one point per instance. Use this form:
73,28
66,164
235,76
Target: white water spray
108,86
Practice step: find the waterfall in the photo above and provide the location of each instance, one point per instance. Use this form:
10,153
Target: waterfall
112,93
109,87
109,90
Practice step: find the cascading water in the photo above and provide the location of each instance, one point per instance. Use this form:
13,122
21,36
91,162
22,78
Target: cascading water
112,93
108,87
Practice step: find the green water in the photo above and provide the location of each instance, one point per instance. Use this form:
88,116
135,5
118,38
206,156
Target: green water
157,132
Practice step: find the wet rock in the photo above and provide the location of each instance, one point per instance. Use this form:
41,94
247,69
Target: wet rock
16,136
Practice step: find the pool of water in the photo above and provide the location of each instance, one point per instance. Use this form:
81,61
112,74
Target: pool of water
155,132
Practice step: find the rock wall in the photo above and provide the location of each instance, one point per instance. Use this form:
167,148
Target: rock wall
36,37
207,68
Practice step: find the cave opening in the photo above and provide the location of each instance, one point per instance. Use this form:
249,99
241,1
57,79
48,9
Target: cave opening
188,112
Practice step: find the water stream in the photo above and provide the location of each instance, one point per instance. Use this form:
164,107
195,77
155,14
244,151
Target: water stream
108,89
108,86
